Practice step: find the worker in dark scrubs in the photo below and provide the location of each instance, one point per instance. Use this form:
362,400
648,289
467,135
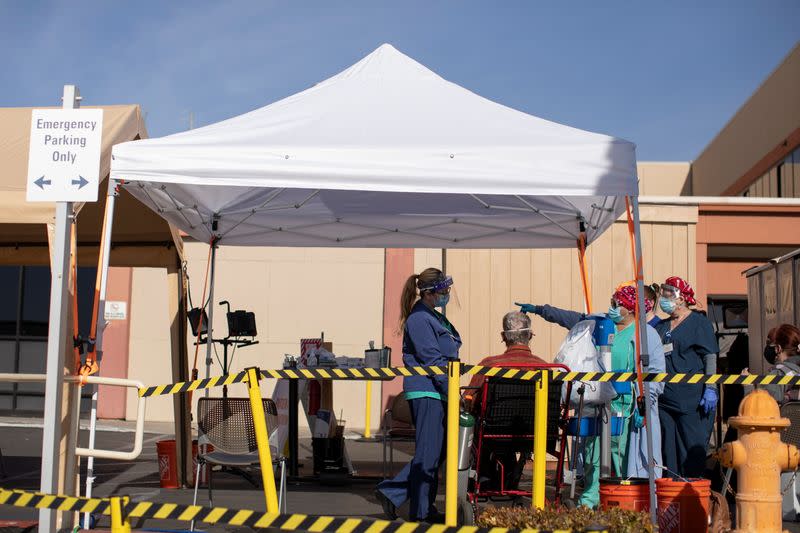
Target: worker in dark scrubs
686,411
429,339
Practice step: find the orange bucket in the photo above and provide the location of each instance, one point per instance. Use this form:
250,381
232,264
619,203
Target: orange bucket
629,494
168,464
683,505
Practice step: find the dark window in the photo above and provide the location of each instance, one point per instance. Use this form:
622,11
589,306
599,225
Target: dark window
24,317
9,301
35,301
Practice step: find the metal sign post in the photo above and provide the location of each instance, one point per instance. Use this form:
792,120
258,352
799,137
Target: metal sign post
63,166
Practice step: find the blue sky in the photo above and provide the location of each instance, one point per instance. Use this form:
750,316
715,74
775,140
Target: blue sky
665,75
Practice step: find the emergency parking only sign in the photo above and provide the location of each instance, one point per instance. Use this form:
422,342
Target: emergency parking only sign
64,156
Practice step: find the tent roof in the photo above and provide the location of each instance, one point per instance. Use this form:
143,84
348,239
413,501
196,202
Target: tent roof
24,223
384,154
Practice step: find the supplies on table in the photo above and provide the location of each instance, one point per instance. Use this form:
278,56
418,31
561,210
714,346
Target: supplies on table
320,357
349,362
377,357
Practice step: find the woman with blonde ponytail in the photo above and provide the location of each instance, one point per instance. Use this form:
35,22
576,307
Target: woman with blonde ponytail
429,339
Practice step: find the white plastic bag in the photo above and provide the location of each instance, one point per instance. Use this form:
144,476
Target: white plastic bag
579,353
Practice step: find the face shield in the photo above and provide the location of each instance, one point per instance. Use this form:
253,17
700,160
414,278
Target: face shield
668,301
669,292
444,291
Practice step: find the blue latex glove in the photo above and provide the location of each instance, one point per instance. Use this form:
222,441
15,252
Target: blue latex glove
526,308
709,400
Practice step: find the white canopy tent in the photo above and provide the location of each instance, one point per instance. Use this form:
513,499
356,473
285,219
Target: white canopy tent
384,154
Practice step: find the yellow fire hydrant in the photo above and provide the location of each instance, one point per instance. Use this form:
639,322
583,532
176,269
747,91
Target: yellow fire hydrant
759,457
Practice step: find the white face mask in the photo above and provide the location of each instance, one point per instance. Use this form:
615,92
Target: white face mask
505,332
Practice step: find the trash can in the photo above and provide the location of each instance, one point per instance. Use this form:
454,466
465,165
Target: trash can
168,464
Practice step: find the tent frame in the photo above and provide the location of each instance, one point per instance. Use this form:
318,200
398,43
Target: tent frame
211,224
209,221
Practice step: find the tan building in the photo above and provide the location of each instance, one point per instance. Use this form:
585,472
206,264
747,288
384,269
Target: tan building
756,152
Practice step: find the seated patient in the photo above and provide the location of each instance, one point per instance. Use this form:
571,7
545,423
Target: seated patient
516,335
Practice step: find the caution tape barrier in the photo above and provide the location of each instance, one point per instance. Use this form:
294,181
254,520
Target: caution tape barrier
355,373
655,377
492,371
37,500
240,517
198,384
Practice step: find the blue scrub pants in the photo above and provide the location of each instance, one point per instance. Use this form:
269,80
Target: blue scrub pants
418,481
685,438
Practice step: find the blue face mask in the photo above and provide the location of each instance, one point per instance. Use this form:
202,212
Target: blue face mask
615,315
441,300
667,305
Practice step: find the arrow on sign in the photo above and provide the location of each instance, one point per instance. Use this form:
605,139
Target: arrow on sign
80,182
41,182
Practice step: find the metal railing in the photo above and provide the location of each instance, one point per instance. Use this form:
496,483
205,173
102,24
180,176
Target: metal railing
97,380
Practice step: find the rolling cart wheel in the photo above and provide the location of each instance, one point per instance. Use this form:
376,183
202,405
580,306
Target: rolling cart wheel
466,512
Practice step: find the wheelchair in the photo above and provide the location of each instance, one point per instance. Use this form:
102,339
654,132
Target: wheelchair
502,442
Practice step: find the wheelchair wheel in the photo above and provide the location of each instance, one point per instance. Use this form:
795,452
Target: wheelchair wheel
466,512
569,503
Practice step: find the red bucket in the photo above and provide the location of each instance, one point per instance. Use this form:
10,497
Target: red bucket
683,505
168,464
629,494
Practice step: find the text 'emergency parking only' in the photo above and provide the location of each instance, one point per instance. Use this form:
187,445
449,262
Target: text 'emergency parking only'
64,155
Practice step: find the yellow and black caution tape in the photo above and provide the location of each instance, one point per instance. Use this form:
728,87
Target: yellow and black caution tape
354,373
239,517
295,373
37,500
489,371
618,377
692,379
198,384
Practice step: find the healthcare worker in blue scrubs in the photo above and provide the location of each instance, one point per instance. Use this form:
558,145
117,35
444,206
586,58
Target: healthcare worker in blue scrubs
686,411
429,339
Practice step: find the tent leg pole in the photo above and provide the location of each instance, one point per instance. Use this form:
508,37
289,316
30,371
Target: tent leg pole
180,369
210,335
105,253
56,348
645,352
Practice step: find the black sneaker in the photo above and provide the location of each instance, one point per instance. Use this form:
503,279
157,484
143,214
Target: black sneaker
434,518
388,507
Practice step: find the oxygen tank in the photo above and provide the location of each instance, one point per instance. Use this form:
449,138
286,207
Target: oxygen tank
466,429
603,338
603,334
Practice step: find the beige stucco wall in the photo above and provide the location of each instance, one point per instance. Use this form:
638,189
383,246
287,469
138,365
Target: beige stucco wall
294,292
664,178
488,282
761,124
149,342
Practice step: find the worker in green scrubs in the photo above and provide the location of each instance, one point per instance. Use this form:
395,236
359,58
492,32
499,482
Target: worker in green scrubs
623,359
